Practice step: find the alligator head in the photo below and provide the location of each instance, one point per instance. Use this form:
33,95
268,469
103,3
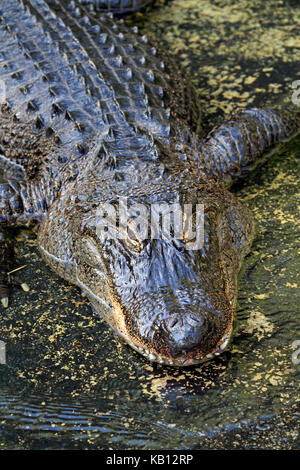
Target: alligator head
170,300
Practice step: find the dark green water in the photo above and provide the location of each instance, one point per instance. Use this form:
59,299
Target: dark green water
69,384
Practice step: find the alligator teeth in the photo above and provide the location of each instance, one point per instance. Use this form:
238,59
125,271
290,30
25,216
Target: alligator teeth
225,341
180,362
4,302
223,345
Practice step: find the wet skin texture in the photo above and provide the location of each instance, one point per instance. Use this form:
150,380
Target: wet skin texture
93,112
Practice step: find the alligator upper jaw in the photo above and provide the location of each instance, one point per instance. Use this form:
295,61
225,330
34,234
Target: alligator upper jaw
189,359
181,361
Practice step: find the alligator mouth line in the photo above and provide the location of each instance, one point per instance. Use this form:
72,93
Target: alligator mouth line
180,362
176,362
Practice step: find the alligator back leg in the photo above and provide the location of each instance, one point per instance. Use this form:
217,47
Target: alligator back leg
232,148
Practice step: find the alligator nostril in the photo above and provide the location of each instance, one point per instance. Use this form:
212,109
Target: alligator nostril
182,332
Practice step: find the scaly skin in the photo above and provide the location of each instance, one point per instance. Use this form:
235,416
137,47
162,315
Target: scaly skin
120,7
92,113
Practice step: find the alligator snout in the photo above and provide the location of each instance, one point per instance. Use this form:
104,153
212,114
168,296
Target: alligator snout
192,334
186,332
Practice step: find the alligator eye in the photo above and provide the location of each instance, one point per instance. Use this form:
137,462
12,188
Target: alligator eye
89,252
132,236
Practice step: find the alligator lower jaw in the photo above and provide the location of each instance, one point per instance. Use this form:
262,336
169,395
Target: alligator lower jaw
181,361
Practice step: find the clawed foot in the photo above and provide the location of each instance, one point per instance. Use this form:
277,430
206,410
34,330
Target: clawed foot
9,276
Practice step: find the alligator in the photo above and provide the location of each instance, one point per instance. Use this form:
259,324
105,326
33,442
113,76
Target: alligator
93,113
